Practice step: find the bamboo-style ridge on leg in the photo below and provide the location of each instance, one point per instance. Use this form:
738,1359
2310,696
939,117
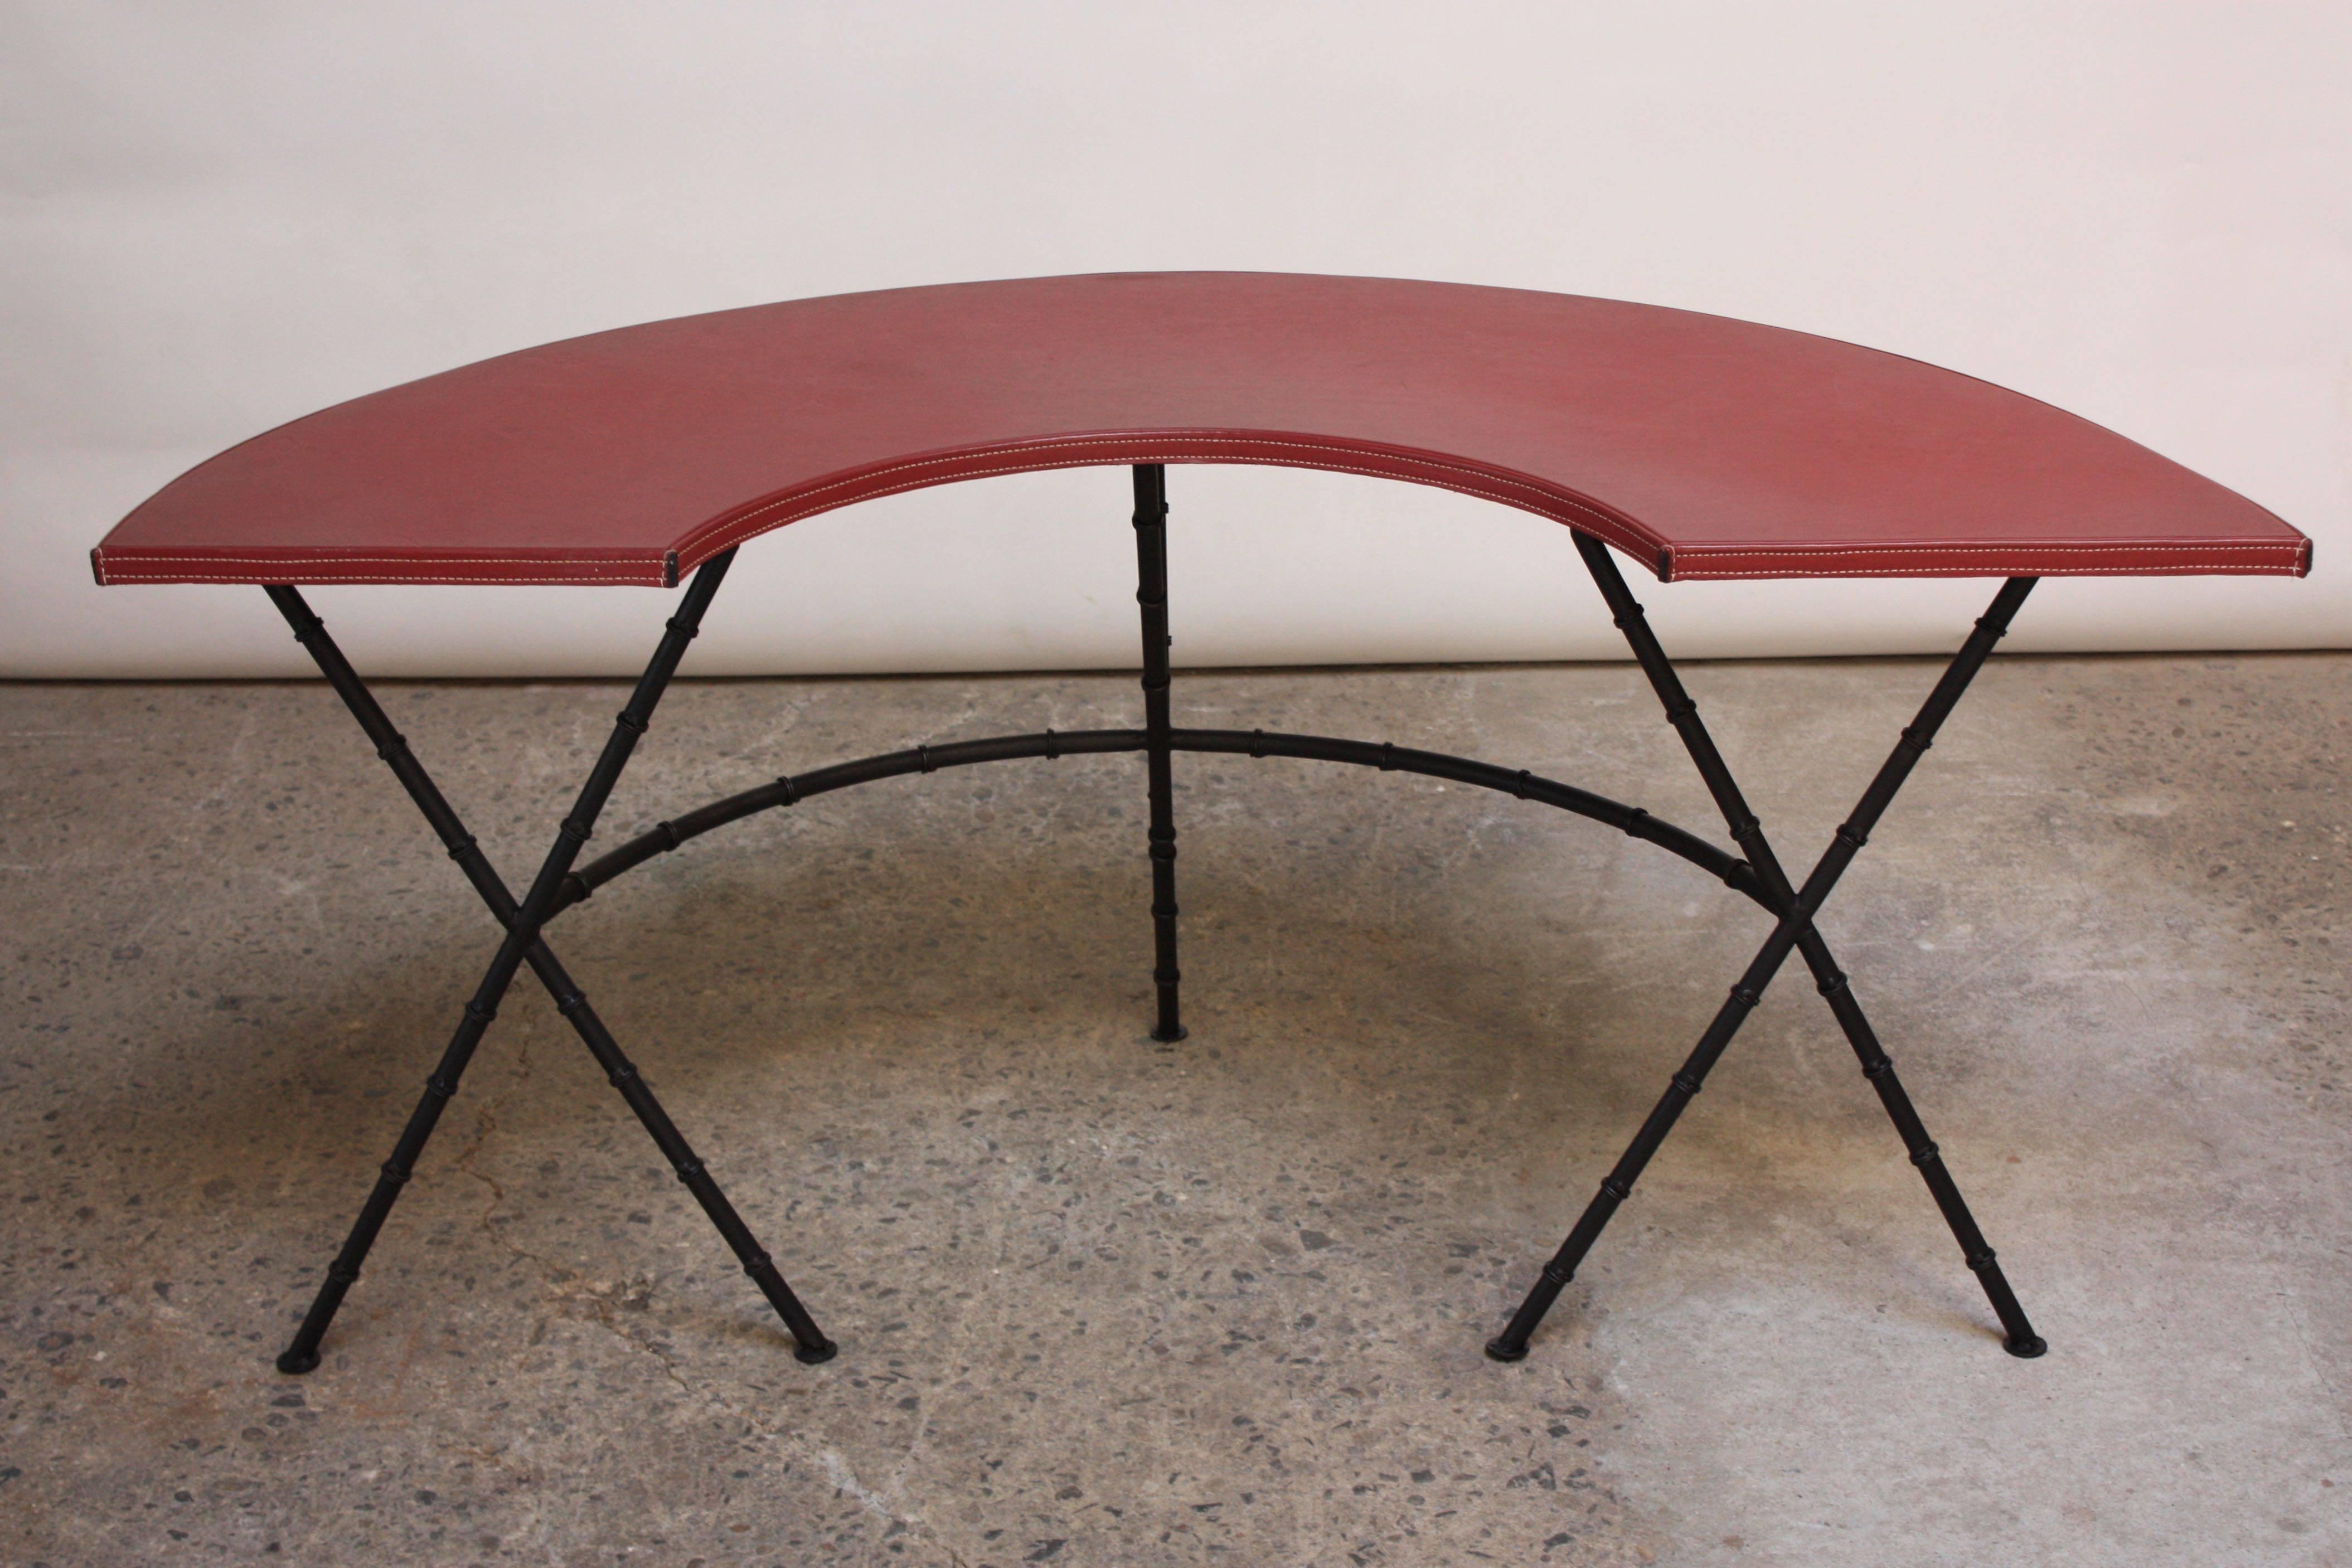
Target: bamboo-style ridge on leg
558,884
1151,594
2017,1337
571,1002
1795,920
674,833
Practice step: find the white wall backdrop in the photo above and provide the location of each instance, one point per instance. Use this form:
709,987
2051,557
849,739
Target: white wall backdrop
221,215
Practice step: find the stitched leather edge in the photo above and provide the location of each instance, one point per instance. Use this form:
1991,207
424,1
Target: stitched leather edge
1690,562
1613,527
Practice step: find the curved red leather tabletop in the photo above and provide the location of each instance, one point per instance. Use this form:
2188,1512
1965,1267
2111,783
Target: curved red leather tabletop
1705,447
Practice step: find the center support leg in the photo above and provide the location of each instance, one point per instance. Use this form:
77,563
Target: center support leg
1152,594
523,943
1795,923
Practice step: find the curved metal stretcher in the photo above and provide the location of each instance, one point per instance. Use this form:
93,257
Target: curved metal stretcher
1700,446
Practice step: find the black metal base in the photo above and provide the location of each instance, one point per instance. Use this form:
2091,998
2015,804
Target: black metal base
559,886
524,943
1519,783
1160,785
1794,930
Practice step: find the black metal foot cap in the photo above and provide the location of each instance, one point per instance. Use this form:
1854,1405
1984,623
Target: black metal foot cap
1170,1038
295,1363
2026,1349
816,1354
1500,1349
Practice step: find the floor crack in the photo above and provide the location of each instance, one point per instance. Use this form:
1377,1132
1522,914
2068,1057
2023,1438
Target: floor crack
601,1305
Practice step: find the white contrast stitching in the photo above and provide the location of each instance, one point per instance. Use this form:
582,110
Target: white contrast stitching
1615,530
135,554
1692,561
695,538
295,571
1717,552
1686,571
436,580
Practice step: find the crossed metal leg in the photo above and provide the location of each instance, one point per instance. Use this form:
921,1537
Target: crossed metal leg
523,943
558,885
1795,929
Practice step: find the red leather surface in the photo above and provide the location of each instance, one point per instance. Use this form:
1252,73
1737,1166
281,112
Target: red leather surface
1707,447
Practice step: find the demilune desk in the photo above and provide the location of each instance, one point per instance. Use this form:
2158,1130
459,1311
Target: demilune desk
1702,447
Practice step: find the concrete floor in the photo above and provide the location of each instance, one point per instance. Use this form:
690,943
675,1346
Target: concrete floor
1103,1302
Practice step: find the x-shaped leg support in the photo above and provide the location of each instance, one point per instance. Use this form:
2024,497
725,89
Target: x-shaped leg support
523,943
1794,930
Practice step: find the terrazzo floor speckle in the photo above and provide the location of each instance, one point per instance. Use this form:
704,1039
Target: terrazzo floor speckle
1108,1301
